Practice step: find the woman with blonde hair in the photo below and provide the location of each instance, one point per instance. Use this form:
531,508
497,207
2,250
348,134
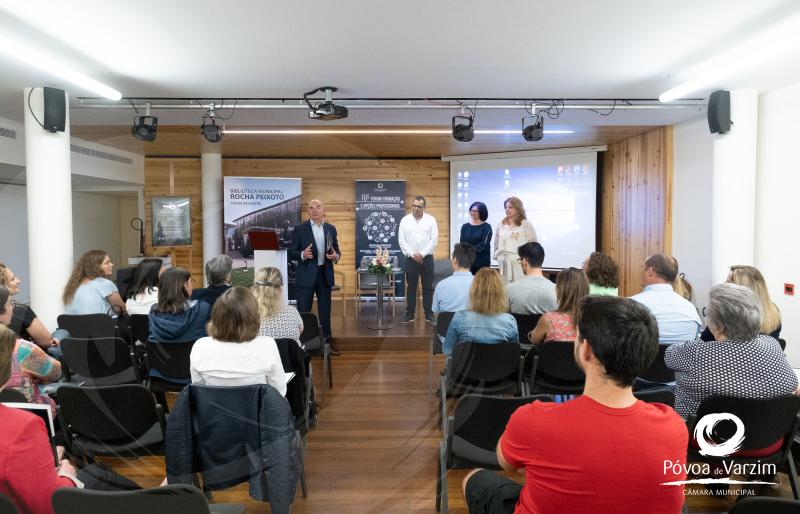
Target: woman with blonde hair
234,354
559,325
24,321
515,230
278,320
89,290
487,320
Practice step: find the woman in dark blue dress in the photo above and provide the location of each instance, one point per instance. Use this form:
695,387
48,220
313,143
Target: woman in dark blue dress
478,233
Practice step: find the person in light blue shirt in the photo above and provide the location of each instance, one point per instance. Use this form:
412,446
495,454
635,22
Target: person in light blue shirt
88,290
452,293
487,320
677,317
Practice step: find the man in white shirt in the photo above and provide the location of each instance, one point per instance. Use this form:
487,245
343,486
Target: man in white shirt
452,293
534,294
418,235
676,316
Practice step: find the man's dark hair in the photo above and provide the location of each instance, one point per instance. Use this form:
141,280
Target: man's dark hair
533,253
483,212
464,254
662,266
424,201
622,333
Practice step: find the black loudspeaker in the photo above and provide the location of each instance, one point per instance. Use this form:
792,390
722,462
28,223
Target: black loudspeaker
55,109
719,112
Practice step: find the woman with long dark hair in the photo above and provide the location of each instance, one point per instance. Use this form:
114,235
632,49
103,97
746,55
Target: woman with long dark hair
143,294
176,319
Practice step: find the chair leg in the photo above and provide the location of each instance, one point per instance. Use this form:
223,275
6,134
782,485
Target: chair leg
303,471
793,476
439,480
330,372
443,479
430,371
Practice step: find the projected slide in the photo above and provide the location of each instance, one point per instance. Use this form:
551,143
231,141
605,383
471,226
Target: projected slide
558,191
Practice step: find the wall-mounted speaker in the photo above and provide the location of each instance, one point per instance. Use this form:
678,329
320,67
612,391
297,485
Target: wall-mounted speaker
55,109
719,112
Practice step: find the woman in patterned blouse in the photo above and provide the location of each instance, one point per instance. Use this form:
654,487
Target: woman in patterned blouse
739,362
278,320
571,286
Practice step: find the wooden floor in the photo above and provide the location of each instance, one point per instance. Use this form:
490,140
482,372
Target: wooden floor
374,449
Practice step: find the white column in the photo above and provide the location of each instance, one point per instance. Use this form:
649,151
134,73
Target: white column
733,188
49,191
211,170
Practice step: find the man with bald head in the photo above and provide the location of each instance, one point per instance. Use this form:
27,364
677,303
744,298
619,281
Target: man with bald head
315,247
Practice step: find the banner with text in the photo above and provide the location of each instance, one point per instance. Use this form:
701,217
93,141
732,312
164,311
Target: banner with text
380,205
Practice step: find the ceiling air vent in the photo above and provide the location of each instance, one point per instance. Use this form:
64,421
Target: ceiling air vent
100,155
7,132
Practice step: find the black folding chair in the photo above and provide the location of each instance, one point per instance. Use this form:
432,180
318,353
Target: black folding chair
7,506
140,327
443,320
171,361
553,369
88,326
170,499
658,373
765,421
766,506
471,434
656,395
315,345
110,420
99,361
526,323
298,389
12,396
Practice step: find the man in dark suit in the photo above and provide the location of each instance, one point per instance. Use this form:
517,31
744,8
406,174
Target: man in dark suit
315,247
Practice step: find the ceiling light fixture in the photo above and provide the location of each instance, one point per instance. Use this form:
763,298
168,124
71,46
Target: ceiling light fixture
463,132
327,110
49,65
534,131
210,130
145,126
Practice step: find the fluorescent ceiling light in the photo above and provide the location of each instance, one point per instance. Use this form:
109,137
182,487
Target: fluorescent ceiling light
334,132
754,51
49,65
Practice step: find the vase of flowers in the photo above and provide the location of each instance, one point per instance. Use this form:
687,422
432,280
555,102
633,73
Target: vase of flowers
381,263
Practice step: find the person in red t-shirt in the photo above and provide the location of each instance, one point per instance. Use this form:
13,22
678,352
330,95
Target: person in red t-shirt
603,452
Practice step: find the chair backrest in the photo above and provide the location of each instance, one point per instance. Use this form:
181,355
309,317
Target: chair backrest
7,506
481,420
99,361
311,328
479,362
170,499
12,396
764,505
525,323
658,371
140,327
656,395
170,359
88,326
108,414
557,362
296,360
782,342
443,320
766,420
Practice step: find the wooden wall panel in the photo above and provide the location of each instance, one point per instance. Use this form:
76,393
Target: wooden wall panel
636,200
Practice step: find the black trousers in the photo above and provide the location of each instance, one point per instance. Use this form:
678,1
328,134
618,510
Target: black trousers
99,477
305,298
415,271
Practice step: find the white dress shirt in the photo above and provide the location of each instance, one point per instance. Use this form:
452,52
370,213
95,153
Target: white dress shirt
418,235
319,239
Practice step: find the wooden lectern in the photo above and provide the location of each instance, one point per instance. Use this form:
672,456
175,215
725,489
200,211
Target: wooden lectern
267,252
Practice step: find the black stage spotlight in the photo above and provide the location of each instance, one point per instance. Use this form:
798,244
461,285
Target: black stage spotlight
145,126
461,132
210,130
326,110
534,131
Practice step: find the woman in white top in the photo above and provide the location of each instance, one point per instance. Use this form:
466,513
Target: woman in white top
234,354
515,230
89,290
143,294
278,320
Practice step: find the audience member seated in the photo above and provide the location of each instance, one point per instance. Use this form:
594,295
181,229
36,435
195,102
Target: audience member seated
30,365
452,293
89,290
587,455
234,354
738,362
677,317
218,276
681,285
278,320
487,320
559,325
533,294
752,279
143,293
175,318
28,471
24,322
603,274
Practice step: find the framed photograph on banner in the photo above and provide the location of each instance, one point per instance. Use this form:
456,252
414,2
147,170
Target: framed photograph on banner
172,221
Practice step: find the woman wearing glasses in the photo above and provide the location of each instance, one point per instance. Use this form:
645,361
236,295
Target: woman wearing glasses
478,233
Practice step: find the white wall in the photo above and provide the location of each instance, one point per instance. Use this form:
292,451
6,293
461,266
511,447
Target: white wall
777,243
691,204
14,220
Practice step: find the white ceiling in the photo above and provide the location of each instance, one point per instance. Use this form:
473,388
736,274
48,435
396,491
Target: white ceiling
382,48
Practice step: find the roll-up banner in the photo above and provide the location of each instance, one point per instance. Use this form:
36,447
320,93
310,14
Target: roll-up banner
380,205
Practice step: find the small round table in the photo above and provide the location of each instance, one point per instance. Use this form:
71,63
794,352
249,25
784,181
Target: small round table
379,324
